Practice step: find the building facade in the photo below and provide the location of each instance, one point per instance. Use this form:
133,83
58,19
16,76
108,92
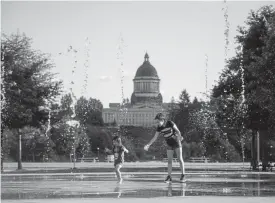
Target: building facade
146,100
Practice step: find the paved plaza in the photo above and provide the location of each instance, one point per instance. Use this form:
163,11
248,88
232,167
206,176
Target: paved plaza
100,187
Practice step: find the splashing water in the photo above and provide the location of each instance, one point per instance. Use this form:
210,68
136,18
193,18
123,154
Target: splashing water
3,89
86,68
123,107
73,124
49,118
204,122
74,52
200,119
206,76
3,98
242,105
242,75
86,65
226,32
226,49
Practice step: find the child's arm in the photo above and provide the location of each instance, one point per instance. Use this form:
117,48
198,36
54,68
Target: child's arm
126,150
108,151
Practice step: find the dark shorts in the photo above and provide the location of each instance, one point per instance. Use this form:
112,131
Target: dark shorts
172,147
118,162
172,144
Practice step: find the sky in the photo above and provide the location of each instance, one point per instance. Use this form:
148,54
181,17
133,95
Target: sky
177,36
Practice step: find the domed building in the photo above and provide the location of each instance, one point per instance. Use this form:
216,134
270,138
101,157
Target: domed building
146,85
146,100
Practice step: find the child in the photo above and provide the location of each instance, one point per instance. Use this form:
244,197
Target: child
118,151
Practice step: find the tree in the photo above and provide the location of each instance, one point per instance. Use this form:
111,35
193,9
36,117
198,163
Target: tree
173,109
211,138
28,83
182,117
69,137
230,112
257,68
66,105
256,61
184,98
95,113
37,144
89,111
82,110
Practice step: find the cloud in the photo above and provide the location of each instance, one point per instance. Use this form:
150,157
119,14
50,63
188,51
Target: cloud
105,78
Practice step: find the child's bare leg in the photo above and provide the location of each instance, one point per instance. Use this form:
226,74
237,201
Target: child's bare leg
170,154
118,173
180,159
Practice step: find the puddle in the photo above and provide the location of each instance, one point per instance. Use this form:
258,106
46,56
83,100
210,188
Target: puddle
135,186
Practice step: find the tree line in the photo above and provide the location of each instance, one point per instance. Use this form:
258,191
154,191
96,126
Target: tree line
30,107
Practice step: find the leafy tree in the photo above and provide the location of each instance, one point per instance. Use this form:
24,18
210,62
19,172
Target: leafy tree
230,112
27,84
258,67
66,104
68,136
173,109
89,111
182,117
256,58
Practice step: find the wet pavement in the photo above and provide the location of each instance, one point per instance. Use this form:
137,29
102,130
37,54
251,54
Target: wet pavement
135,185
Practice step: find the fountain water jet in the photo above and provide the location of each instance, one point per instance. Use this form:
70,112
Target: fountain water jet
73,124
86,65
3,97
123,107
48,107
3,89
242,107
74,51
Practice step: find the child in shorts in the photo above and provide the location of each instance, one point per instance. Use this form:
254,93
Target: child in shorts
118,151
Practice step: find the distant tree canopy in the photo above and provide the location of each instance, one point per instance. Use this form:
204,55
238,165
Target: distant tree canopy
254,68
27,85
256,60
28,96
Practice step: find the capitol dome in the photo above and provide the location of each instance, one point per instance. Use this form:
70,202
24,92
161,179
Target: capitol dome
146,69
146,85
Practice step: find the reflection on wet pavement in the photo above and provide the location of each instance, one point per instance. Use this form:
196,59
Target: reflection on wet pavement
135,185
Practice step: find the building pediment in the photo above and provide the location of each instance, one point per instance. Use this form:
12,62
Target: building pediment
145,107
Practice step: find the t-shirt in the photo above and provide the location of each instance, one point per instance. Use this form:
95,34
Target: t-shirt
118,152
167,131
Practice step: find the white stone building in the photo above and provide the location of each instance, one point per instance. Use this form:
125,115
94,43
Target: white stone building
146,100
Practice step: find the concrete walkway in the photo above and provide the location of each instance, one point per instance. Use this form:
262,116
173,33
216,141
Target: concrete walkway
208,199
128,166
94,186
